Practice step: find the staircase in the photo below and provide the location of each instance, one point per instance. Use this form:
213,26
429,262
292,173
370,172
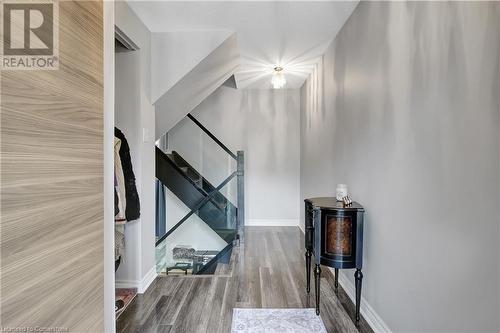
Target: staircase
189,186
203,200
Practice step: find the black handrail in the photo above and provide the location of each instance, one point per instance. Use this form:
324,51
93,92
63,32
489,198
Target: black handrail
213,137
198,206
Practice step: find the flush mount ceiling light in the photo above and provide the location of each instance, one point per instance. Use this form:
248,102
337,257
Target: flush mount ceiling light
278,80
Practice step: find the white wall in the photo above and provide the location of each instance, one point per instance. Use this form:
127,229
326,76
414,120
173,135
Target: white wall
135,114
195,86
265,125
405,109
175,53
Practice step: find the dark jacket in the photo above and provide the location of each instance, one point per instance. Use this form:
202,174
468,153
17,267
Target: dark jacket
117,210
132,209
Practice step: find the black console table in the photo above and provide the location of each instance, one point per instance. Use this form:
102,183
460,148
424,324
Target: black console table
334,234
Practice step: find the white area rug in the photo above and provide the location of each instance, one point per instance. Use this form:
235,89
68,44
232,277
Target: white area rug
276,320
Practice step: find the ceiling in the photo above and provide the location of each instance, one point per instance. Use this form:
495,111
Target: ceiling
290,34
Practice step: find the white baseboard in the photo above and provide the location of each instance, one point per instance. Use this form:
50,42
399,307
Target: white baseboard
271,222
372,318
127,284
141,285
147,280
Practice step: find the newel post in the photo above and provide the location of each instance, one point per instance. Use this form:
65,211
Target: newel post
240,169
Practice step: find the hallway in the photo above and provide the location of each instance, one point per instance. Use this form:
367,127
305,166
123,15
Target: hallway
270,274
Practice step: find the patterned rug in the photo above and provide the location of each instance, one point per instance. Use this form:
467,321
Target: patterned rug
126,295
276,320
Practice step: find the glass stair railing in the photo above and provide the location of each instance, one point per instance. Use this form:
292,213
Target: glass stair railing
201,241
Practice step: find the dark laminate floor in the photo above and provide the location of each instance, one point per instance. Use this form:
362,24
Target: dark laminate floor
269,274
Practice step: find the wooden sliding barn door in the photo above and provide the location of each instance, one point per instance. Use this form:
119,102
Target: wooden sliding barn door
51,272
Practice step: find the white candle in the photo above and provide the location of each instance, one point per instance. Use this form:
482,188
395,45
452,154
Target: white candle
341,191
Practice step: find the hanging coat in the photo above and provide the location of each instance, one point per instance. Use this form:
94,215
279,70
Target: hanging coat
119,185
132,208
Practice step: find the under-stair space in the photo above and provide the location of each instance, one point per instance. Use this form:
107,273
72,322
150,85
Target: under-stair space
202,219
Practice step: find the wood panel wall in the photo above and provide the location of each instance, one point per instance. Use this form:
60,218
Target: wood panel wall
52,182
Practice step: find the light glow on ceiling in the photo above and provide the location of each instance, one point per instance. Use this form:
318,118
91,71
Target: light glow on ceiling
278,80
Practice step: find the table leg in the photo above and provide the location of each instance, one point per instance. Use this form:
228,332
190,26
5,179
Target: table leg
358,276
317,278
336,284
308,270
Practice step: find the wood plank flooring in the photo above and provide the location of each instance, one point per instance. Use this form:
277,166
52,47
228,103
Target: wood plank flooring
269,272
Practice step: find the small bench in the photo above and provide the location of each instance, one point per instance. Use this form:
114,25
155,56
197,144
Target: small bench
183,266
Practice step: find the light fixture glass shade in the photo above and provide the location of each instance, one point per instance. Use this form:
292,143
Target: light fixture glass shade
278,80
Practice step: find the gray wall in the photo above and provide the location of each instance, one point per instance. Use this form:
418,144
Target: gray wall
265,125
404,108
